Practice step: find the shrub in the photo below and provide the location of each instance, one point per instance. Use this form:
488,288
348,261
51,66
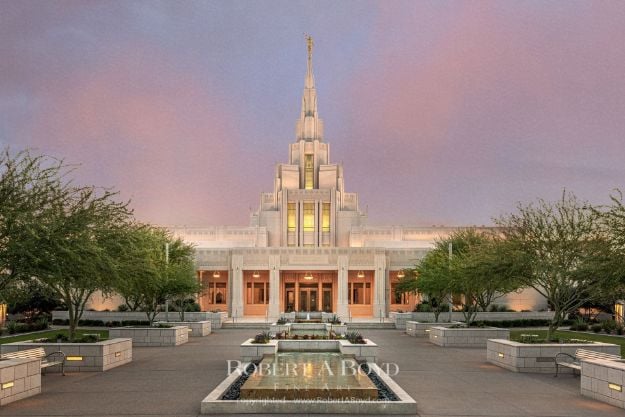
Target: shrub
608,326
620,330
355,338
334,319
596,327
262,337
122,308
282,321
423,308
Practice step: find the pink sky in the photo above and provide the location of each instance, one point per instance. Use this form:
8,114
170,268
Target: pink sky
442,112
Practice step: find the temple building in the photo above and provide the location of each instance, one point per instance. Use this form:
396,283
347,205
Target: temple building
308,246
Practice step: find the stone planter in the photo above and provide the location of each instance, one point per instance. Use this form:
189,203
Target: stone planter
420,329
216,319
339,329
254,351
604,381
466,336
82,357
279,328
153,336
400,319
538,357
19,378
196,328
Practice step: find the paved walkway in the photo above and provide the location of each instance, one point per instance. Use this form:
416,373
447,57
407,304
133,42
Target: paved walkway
444,382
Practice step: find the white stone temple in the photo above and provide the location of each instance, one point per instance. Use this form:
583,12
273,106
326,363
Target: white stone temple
308,246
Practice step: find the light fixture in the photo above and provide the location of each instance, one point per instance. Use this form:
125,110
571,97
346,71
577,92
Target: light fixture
216,274
73,358
255,274
8,385
401,273
308,276
118,354
361,274
500,355
615,387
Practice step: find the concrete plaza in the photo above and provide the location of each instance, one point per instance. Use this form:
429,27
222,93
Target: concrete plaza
171,381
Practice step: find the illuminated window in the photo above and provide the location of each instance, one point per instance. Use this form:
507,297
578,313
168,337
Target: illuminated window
309,217
398,298
360,293
257,293
325,217
308,172
291,217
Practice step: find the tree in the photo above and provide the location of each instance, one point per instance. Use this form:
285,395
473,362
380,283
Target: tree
558,246
29,186
152,277
80,245
32,299
432,277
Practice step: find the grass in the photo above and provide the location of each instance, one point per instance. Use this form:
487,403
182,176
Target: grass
565,334
104,334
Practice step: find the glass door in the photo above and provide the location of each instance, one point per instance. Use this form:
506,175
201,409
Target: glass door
307,299
327,298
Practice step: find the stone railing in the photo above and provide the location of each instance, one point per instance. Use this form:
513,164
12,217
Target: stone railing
254,351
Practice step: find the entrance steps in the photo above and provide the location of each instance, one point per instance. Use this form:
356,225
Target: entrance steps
260,326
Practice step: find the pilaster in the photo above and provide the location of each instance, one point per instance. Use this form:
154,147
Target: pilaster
237,286
342,290
274,286
379,285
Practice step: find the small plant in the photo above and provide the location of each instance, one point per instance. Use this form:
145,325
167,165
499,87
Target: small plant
620,330
355,338
596,327
122,308
262,338
282,321
580,325
457,326
334,319
162,325
609,326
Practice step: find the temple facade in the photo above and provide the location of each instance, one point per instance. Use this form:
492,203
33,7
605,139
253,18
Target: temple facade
308,246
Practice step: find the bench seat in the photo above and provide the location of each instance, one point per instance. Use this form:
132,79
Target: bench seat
38,353
575,362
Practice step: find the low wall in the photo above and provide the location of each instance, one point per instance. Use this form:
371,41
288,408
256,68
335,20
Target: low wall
196,328
19,378
255,351
400,319
604,381
216,319
467,336
82,357
339,329
418,329
538,357
153,336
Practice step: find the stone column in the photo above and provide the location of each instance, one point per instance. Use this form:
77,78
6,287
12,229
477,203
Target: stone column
342,290
237,286
379,285
274,286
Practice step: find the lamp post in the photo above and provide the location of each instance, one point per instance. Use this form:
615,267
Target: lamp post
166,263
451,252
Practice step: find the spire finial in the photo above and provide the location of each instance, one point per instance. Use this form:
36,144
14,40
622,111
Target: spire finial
310,43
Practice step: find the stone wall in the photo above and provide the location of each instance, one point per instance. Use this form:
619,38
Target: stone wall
400,319
153,336
216,319
82,357
196,328
418,329
604,381
538,357
466,337
19,378
254,351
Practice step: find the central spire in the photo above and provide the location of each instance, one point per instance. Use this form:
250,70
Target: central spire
309,127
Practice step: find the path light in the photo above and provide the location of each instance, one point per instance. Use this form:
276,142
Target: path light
308,276
615,387
216,274
401,274
361,274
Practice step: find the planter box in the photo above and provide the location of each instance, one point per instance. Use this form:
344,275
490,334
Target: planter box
601,380
196,328
153,336
420,329
467,336
82,357
279,328
339,329
538,357
254,351
25,377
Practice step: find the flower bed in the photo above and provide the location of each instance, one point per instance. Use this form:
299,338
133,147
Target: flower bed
538,357
466,336
153,336
82,357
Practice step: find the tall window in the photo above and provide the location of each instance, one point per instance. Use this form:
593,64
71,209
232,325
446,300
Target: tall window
309,217
325,217
291,219
309,171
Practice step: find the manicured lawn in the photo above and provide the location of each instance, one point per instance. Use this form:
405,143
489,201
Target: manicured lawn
104,334
565,334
